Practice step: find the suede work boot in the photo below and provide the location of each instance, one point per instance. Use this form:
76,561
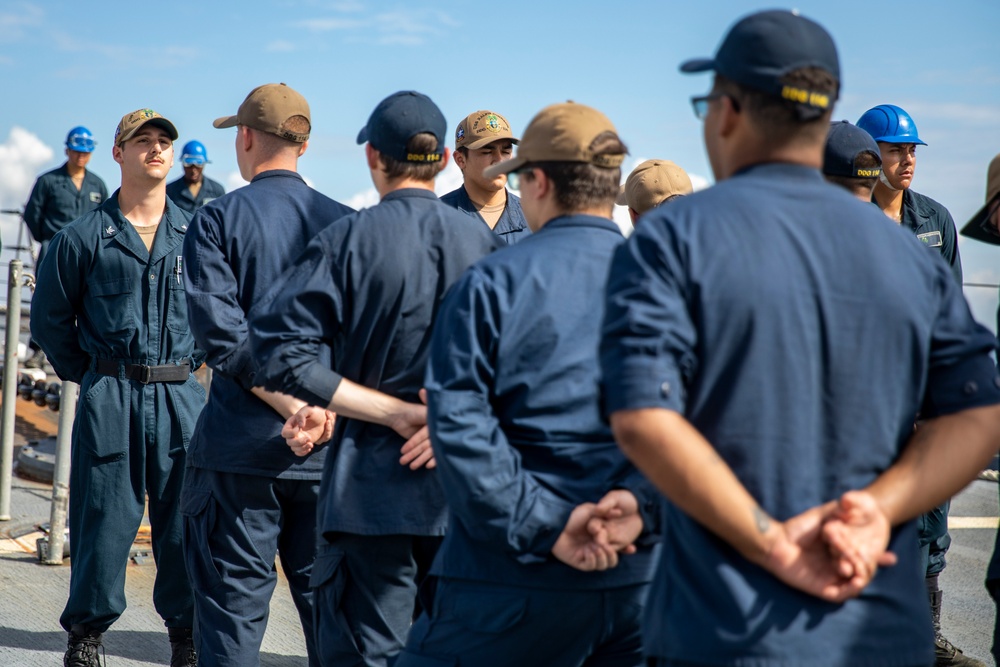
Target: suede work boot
82,648
946,654
182,653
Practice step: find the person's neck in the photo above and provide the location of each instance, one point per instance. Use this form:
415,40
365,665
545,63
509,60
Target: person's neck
889,200
282,161
385,187
194,187
553,211
143,206
75,171
483,197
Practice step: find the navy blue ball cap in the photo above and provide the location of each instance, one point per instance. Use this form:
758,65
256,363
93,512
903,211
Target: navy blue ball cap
400,117
762,48
844,144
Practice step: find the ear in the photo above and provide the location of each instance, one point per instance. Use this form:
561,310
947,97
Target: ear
303,147
371,155
247,136
633,215
445,157
544,185
459,160
730,117
116,153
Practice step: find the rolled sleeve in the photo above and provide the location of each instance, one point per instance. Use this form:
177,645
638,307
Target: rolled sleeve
489,492
648,340
961,375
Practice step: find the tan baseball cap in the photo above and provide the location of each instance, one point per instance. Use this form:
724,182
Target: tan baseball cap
561,133
652,182
131,122
481,128
267,108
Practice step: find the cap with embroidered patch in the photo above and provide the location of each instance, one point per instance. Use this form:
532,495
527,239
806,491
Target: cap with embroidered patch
651,183
561,133
844,144
482,128
762,48
268,108
400,117
131,122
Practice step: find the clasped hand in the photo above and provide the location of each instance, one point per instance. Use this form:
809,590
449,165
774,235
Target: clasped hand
831,551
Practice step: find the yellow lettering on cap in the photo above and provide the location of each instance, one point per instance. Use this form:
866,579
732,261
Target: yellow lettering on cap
799,96
869,173
421,157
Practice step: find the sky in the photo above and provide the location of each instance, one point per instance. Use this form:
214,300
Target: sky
64,65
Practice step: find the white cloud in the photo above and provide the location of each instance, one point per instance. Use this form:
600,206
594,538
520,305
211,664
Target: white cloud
12,23
280,46
21,158
401,27
232,180
326,25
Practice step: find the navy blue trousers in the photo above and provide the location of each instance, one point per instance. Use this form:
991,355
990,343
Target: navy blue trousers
365,595
234,527
482,624
109,480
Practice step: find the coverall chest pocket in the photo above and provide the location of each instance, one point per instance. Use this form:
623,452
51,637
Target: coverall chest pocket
177,310
110,309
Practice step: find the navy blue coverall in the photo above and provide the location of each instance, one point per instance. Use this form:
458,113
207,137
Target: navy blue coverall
511,227
103,298
368,286
799,331
55,202
519,439
179,192
246,495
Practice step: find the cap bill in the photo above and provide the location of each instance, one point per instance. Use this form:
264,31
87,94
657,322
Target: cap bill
698,65
225,121
504,167
975,227
363,136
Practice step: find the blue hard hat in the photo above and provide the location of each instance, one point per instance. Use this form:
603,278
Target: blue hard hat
890,124
194,153
80,140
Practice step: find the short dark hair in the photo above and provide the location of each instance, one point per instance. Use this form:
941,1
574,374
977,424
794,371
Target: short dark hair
424,143
582,185
864,160
783,121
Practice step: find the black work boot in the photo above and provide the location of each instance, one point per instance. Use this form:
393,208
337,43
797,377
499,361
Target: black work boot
946,654
182,653
82,647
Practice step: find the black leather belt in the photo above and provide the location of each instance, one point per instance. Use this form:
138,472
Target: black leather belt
145,374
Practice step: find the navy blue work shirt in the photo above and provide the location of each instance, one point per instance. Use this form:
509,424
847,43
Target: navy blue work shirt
800,331
55,201
934,226
180,193
511,227
101,295
514,410
368,286
236,249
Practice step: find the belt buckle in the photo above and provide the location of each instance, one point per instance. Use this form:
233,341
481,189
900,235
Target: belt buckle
145,374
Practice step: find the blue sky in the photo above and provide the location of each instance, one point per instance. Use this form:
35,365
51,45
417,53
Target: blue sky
63,65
